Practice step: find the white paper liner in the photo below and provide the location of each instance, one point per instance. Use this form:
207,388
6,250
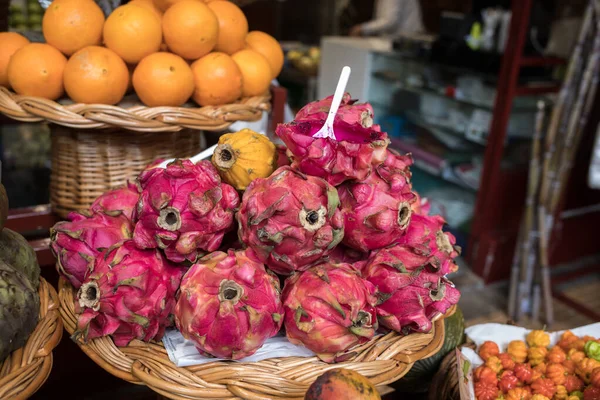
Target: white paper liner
504,334
183,353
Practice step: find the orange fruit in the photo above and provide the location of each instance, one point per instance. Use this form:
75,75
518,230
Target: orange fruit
164,5
10,42
71,25
37,69
256,72
190,28
233,26
163,79
133,32
148,4
218,80
130,68
96,75
269,47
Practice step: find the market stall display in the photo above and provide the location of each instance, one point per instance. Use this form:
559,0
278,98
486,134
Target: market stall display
97,78
502,361
375,309
115,109
534,368
30,324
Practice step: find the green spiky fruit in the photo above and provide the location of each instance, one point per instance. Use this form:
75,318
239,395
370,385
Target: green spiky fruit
19,309
3,206
17,253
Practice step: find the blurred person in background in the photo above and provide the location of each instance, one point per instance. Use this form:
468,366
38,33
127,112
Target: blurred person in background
391,19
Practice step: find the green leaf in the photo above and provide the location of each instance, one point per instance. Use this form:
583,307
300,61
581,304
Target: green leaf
465,367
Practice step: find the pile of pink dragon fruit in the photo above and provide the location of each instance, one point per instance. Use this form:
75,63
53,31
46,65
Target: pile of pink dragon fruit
337,225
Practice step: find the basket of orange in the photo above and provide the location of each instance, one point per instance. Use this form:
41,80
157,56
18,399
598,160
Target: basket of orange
142,83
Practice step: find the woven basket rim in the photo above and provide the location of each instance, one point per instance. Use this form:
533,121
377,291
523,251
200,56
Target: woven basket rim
137,118
383,360
26,369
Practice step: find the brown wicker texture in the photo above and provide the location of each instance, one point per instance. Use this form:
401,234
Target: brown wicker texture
383,360
134,118
27,368
445,385
85,164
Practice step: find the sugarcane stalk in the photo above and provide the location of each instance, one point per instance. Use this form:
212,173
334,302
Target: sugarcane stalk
571,117
514,289
528,237
586,93
559,107
585,102
535,302
544,269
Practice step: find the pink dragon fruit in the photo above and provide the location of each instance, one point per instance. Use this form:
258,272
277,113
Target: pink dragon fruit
377,210
352,156
290,220
130,294
75,244
282,158
421,205
347,255
349,112
122,200
184,210
426,239
409,301
396,161
409,276
329,309
229,304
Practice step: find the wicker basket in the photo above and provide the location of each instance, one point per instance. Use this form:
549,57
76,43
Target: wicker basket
130,114
27,368
85,164
383,360
98,147
445,384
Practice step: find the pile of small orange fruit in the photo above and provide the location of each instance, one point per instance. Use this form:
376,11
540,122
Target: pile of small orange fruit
168,51
534,370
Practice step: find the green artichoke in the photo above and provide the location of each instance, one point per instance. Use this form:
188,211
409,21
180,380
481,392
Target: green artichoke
3,206
16,252
19,309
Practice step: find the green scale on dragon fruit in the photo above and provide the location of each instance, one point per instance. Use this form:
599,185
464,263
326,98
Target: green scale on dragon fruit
76,243
229,304
377,210
291,220
130,294
410,277
329,309
184,210
359,145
